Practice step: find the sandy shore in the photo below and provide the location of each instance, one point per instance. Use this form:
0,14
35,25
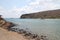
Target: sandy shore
8,35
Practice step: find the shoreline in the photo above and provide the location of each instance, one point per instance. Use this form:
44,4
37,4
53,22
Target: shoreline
10,33
22,35
25,33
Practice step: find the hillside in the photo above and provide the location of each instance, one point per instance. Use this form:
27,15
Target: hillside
43,14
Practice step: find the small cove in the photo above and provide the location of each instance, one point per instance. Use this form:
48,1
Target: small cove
49,27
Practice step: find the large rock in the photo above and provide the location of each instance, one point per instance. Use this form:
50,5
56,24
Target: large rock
8,25
5,24
43,14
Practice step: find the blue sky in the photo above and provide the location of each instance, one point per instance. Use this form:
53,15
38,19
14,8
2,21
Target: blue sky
15,8
11,3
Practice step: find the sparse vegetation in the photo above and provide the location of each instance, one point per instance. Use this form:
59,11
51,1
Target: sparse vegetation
44,14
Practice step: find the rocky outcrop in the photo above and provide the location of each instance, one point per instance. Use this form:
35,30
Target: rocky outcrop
29,35
44,14
5,24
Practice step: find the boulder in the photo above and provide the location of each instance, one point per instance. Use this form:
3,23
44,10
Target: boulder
5,24
8,25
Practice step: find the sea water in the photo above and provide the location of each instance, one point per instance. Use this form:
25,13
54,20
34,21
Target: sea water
48,27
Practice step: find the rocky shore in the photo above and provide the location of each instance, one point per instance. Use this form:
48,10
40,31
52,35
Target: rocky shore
5,24
26,34
29,35
9,35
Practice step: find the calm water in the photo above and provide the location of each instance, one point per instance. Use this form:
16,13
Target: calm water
49,27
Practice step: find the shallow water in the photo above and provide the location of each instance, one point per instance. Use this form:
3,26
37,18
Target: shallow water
49,27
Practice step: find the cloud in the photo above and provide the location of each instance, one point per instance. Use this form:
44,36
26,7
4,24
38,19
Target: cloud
8,13
44,5
40,5
33,6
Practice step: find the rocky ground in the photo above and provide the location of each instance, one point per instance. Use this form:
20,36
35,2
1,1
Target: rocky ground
8,35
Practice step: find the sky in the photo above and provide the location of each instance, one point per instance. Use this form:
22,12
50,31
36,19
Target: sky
15,8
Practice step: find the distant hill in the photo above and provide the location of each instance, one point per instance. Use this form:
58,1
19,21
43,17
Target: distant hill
44,14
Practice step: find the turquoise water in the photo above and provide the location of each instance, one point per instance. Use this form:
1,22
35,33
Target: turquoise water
48,27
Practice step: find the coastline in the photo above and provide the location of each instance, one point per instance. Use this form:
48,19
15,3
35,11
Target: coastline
11,35
8,35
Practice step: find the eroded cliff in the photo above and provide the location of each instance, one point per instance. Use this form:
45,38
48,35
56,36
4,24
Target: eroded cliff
5,24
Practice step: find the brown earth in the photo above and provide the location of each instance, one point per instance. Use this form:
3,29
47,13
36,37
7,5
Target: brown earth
8,35
43,14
